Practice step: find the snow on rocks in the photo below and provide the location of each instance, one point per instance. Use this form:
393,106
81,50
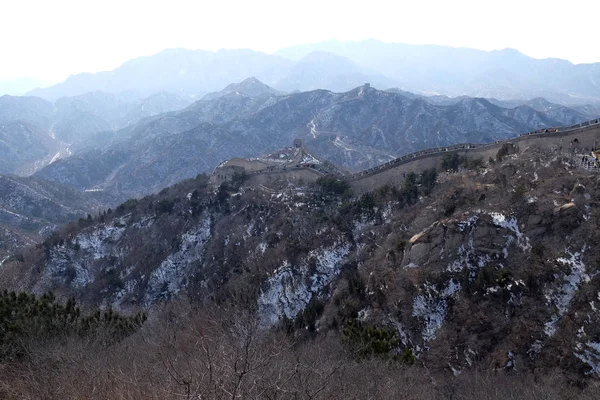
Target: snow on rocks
431,306
262,247
309,159
512,225
98,242
169,278
290,288
590,355
66,262
467,255
145,222
560,296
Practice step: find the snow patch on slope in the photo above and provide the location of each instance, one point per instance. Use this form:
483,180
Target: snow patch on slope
66,262
467,255
95,242
170,277
431,306
591,356
512,225
561,295
290,288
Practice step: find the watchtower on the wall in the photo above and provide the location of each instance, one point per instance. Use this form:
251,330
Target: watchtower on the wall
298,143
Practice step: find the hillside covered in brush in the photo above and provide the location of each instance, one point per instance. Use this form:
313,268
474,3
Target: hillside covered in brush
493,266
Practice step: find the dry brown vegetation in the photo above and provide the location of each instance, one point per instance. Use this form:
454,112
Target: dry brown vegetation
186,352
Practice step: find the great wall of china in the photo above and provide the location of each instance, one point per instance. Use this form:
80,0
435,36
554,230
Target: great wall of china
579,137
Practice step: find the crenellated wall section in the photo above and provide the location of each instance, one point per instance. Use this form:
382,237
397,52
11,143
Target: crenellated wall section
578,138
574,139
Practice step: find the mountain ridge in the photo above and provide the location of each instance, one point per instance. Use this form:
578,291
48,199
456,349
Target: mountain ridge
427,69
356,130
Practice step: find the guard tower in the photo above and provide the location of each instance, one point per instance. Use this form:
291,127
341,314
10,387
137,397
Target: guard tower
297,143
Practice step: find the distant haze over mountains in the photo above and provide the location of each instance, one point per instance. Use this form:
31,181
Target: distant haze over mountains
35,132
341,66
19,87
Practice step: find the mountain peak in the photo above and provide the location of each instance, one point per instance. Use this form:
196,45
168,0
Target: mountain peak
250,87
251,81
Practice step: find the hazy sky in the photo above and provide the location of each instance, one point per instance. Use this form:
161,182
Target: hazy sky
51,39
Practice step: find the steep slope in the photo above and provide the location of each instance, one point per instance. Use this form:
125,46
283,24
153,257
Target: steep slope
31,203
539,104
365,127
156,104
24,148
33,110
227,108
12,240
145,165
77,123
35,132
121,109
30,209
486,267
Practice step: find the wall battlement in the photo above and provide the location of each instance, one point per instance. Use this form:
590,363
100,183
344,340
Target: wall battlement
585,135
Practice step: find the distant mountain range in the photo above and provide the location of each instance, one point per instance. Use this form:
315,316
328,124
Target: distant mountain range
129,146
356,129
97,149
502,74
35,132
20,86
341,66
30,208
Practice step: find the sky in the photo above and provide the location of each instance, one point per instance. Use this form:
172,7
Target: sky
50,40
